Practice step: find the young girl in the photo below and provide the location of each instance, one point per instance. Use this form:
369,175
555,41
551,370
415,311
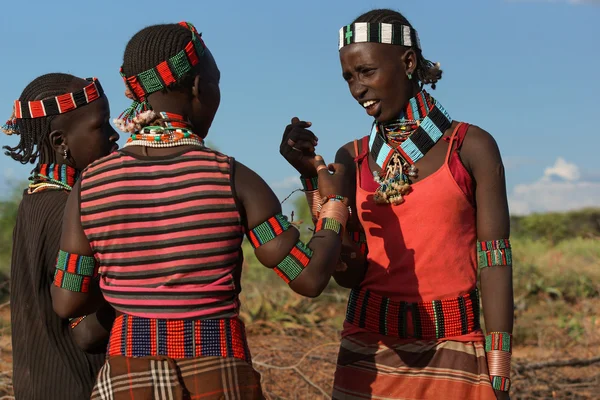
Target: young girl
161,224
430,198
63,125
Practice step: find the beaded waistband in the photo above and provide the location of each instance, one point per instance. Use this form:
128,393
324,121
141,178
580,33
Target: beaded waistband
427,320
178,338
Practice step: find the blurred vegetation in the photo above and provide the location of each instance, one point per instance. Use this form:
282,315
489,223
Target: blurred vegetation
556,277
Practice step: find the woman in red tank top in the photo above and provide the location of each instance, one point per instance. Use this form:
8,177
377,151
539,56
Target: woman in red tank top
429,214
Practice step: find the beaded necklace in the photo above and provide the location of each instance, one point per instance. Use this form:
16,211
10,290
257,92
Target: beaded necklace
397,145
172,130
54,177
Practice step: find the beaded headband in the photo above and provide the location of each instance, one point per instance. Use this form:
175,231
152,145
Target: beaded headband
164,74
362,32
53,105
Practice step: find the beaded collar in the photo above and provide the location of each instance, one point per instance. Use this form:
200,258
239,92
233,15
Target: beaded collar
54,177
171,130
397,145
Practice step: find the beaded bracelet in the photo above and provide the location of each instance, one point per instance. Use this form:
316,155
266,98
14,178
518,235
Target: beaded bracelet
329,224
334,197
498,347
73,322
494,253
310,184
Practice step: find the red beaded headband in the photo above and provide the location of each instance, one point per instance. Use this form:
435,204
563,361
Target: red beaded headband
166,73
53,105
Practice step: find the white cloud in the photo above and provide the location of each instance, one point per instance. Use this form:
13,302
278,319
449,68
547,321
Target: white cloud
559,189
562,169
290,182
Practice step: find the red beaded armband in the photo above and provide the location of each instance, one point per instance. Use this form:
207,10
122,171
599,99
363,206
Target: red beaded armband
75,272
494,253
294,263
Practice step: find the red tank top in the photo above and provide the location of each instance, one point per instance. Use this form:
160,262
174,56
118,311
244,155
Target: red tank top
423,249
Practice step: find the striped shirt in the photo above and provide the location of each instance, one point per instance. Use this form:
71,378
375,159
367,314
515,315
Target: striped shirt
166,232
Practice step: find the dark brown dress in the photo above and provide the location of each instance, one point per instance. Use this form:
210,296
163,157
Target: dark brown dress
47,364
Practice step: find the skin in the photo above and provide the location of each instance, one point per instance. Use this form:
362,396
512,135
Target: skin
86,135
198,104
379,72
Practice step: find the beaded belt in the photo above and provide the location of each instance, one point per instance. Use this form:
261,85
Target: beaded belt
427,320
178,338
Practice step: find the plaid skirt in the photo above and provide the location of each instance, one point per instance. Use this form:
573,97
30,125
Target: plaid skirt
163,378
377,367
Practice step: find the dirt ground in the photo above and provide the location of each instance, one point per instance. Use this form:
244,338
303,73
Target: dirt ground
304,359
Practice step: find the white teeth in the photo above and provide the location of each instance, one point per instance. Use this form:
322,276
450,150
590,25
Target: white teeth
369,103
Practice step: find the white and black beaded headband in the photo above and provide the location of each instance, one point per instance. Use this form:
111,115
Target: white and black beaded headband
363,32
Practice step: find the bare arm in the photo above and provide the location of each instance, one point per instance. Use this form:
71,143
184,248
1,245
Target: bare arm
482,157
66,303
493,223
260,204
352,255
92,333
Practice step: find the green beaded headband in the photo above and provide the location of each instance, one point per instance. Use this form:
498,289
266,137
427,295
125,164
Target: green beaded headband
164,74
362,32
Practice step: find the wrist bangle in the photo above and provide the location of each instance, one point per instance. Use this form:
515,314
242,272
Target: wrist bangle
314,203
332,198
335,210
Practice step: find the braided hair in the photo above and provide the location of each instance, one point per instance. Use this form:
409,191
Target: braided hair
34,132
427,72
153,45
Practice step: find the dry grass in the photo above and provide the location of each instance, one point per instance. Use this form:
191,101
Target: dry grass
294,340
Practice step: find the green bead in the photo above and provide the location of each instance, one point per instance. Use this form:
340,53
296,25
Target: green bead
157,138
134,137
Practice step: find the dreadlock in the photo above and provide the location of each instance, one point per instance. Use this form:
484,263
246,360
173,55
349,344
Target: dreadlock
153,45
428,73
34,132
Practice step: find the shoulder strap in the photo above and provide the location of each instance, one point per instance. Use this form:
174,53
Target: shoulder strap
459,133
360,152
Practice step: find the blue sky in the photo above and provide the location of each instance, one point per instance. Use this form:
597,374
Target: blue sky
526,71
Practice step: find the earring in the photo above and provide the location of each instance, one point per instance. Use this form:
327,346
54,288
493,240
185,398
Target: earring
65,154
409,75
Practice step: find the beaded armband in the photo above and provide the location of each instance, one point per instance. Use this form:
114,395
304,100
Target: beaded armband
498,348
74,272
309,184
268,230
494,253
293,264
331,224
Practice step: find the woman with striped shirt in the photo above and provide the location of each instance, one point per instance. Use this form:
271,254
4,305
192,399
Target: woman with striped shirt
156,229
